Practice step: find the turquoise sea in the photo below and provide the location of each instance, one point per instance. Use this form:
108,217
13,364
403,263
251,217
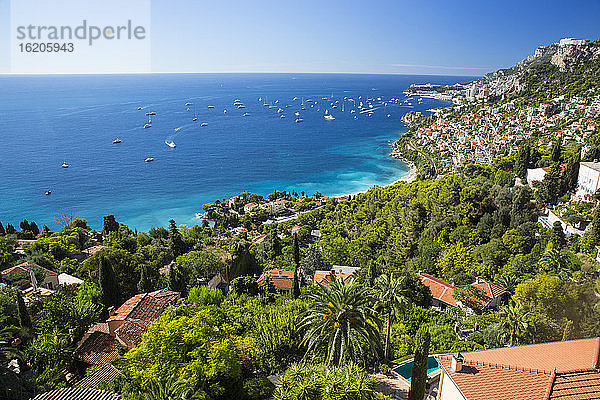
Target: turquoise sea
48,120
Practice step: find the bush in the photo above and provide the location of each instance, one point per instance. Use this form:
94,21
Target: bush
204,296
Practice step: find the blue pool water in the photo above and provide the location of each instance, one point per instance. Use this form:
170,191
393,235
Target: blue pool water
405,370
48,120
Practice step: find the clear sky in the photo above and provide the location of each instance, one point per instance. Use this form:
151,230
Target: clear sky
445,37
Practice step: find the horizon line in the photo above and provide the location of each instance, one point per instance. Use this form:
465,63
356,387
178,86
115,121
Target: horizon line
227,72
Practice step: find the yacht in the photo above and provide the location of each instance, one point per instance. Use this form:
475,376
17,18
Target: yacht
48,192
297,114
241,106
204,124
211,106
280,111
147,125
246,114
150,113
299,120
188,104
225,111
139,108
65,165
282,116
149,159
328,116
116,141
171,144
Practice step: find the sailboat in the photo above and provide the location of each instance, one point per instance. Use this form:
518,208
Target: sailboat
328,116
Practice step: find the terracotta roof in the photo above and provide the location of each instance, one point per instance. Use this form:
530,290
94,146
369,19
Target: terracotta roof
492,290
559,370
325,277
282,279
98,349
103,374
25,267
130,333
145,306
440,290
78,394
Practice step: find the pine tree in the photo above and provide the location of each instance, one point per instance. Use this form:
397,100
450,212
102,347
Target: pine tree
34,228
24,226
418,381
10,229
109,224
108,283
177,281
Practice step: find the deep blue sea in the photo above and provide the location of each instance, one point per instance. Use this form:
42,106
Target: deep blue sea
48,120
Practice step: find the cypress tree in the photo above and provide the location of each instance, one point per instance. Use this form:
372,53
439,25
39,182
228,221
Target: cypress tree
177,243
522,161
2,231
177,281
108,283
25,225
10,229
418,381
556,150
24,318
145,283
596,223
296,288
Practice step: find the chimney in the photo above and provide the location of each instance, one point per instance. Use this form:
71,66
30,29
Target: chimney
457,362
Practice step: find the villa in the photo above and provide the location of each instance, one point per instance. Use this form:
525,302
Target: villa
568,370
282,280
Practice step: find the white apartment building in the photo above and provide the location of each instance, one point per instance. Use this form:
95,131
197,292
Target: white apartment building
588,180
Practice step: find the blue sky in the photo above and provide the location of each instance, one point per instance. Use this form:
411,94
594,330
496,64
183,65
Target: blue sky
389,36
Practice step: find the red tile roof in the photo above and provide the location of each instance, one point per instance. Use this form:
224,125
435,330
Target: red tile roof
25,267
98,349
560,370
325,278
145,306
282,279
130,333
444,291
440,290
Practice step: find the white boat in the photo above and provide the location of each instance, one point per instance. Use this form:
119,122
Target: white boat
246,114
280,111
188,104
150,113
299,120
295,98
65,165
329,117
116,141
282,116
211,106
225,111
148,125
48,192
241,106
195,119
149,159
204,124
139,108
296,113
171,144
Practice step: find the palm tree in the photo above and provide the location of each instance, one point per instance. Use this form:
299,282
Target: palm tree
390,294
340,319
170,389
509,282
514,321
553,260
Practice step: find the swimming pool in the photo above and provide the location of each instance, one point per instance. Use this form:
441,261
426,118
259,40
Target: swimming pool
405,369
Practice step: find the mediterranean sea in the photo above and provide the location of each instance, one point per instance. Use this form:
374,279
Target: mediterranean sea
46,121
